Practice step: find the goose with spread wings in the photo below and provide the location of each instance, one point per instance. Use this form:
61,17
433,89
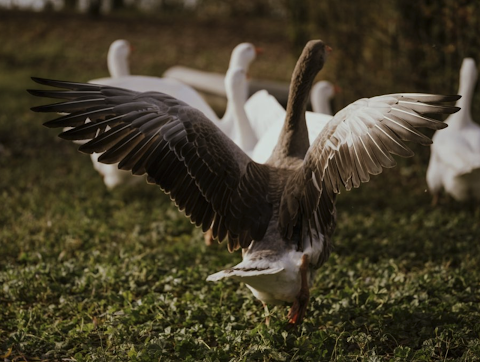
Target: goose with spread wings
281,213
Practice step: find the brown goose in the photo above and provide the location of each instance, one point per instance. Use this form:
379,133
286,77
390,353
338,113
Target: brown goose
281,213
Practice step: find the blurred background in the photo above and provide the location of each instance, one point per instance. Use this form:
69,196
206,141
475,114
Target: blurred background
379,47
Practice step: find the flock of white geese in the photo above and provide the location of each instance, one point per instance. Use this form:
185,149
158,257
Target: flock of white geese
263,177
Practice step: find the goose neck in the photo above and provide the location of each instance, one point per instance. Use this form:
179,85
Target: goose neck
322,105
236,116
118,66
293,140
466,89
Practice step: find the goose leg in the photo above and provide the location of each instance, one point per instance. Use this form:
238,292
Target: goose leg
435,199
267,314
208,236
299,307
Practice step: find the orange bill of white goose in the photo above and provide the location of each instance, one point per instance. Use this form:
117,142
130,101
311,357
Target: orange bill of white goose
281,213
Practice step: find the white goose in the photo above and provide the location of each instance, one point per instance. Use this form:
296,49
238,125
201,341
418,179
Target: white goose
455,155
234,122
282,213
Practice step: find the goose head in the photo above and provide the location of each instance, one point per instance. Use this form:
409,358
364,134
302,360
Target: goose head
311,61
117,58
242,55
313,58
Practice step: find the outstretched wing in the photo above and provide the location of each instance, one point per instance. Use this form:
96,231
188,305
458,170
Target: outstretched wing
209,177
356,143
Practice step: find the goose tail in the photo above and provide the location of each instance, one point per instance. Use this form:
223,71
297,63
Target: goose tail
239,272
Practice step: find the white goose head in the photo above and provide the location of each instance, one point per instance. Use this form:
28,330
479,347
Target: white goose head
242,55
117,58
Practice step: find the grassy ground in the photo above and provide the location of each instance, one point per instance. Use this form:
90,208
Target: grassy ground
88,274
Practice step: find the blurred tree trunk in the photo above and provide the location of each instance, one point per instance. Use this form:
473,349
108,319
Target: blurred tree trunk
99,7
416,28
118,4
70,4
347,29
297,13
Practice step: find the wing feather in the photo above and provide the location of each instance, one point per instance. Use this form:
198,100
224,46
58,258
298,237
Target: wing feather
181,150
88,130
355,144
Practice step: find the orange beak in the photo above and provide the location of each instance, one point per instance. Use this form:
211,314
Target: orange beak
328,49
258,51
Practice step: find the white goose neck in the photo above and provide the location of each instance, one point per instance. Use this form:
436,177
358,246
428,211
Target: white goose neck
117,62
320,96
322,105
468,78
235,115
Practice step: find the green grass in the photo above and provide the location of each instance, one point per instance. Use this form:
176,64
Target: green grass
87,274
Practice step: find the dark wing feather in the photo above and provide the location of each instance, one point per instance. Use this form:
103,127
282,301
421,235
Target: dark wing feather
205,173
355,144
